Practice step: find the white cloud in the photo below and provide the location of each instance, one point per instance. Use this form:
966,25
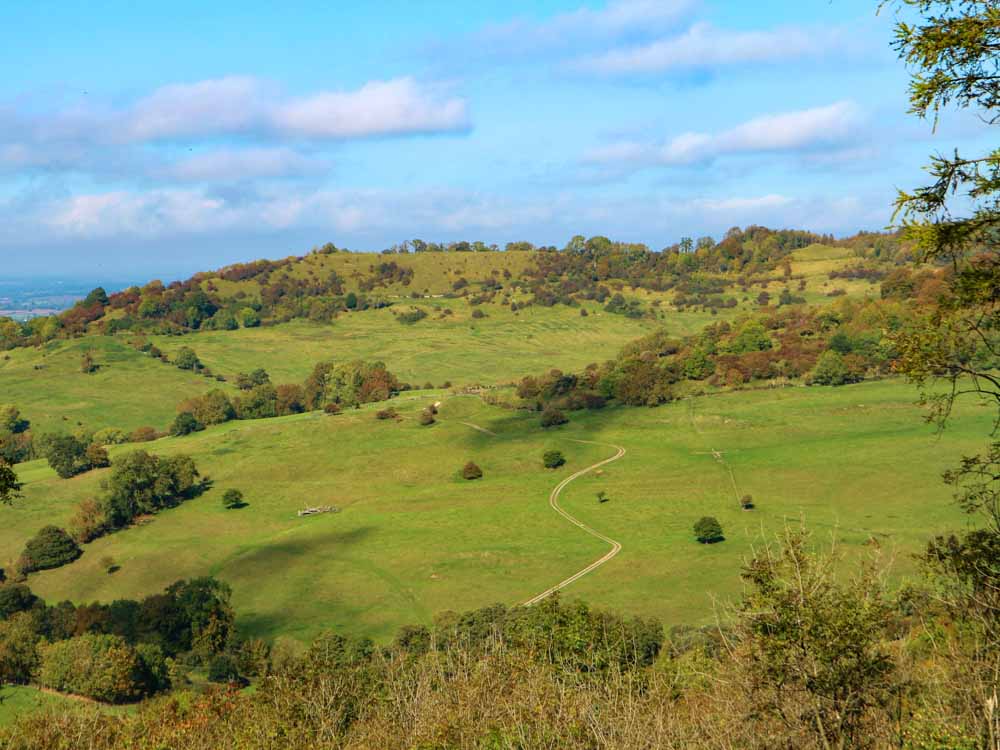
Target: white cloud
240,106
233,165
705,46
524,36
367,216
802,130
400,105
217,106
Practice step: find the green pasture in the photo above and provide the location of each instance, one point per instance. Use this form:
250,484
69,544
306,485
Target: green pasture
412,539
502,347
129,389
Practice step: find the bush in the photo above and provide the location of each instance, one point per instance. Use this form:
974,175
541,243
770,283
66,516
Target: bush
223,668
110,436
832,369
232,499
102,667
186,359
471,471
746,502
477,314
411,317
553,459
708,530
143,434
18,649
552,417
97,457
426,417
14,598
185,424
332,408
389,413
66,455
49,548
212,408
89,521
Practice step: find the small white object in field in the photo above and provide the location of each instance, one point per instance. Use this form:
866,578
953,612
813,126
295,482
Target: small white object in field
437,404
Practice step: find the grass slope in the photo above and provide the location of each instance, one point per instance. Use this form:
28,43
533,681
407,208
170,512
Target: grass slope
129,389
499,348
413,539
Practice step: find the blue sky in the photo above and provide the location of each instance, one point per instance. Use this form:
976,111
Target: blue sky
141,139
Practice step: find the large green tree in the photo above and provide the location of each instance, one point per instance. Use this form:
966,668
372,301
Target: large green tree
952,48
10,488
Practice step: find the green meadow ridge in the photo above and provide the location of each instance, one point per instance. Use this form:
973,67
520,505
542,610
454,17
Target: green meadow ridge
732,494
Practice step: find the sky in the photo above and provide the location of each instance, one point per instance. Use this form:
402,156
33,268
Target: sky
158,139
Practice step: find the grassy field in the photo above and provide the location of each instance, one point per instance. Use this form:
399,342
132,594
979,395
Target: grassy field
499,348
129,389
18,700
413,539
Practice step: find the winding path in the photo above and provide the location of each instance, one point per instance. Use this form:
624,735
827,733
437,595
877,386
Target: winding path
554,502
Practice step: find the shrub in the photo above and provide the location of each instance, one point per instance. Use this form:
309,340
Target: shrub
389,413
102,667
426,417
110,436
232,499
477,314
49,548
14,598
602,496
247,382
87,364
184,424
212,408
471,471
832,368
66,455
97,457
332,408
552,417
553,459
411,317
143,434
10,487
186,359
108,564
222,668
289,399
18,649
746,502
88,522
249,317
708,530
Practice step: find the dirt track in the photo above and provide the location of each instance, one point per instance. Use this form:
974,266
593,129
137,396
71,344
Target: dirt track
554,502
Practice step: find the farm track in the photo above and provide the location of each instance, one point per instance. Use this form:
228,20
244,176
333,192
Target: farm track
554,502
616,547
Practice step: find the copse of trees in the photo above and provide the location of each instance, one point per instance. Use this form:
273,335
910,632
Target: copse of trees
68,455
118,652
330,387
139,484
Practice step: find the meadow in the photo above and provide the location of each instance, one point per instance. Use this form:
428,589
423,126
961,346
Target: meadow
129,389
413,539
